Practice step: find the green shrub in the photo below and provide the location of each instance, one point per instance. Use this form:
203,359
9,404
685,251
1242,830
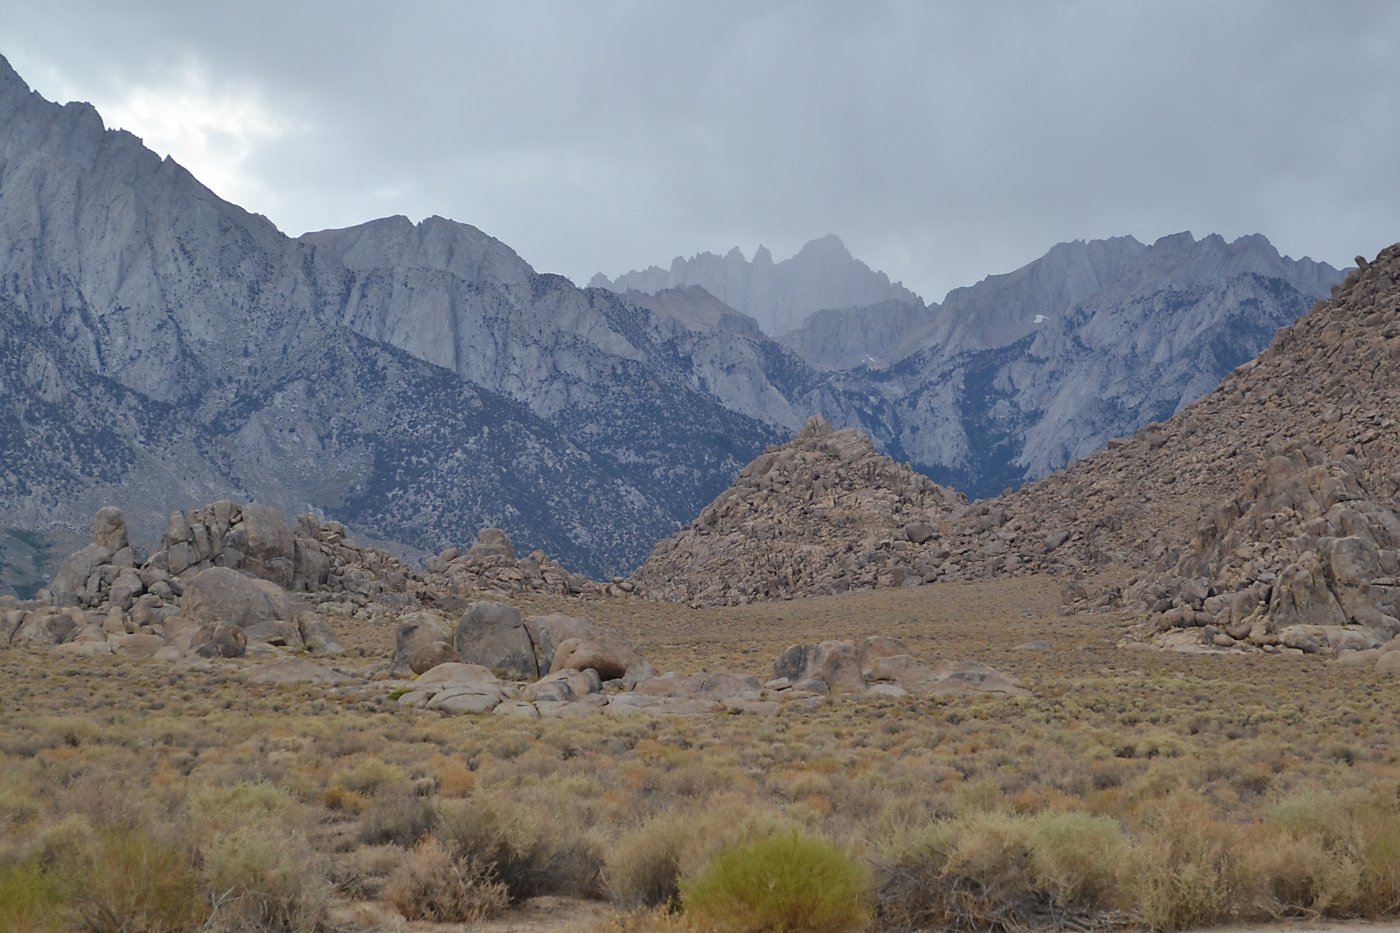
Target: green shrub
788,882
33,897
433,884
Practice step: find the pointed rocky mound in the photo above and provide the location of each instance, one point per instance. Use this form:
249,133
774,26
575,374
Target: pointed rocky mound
822,514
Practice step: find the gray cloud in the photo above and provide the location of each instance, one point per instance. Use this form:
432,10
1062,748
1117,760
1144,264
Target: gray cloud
942,141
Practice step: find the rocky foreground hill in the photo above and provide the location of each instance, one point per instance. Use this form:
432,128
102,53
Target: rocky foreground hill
1266,515
231,581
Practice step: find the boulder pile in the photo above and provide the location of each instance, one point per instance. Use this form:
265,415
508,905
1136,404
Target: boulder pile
490,565
616,681
1306,558
229,578
883,666
823,514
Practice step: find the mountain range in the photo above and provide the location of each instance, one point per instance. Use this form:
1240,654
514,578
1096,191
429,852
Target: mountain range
1012,378
163,348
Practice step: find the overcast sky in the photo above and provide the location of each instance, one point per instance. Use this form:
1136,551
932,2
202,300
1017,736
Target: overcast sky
943,141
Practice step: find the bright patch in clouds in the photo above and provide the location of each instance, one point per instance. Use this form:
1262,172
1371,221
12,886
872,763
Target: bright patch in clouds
213,132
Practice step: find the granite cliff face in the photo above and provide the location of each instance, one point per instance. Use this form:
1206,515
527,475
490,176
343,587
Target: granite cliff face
417,380
780,296
1016,376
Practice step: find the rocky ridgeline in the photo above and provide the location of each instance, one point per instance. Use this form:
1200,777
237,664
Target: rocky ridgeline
822,514
228,576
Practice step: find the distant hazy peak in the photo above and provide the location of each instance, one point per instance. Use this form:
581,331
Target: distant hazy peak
780,296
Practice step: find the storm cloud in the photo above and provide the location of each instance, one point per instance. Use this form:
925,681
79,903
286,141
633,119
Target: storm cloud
941,141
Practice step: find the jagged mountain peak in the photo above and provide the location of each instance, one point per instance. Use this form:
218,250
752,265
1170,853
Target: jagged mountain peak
781,296
827,246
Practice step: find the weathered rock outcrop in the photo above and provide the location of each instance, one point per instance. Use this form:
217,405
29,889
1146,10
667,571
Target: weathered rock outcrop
228,575
1307,558
803,675
880,665
491,565
822,514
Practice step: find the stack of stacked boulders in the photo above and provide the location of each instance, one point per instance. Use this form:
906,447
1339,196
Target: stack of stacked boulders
233,593
227,579
823,514
490,565
1307,560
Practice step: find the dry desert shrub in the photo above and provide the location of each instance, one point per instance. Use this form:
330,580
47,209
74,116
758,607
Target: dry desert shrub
369,775
645,865
1187,868
790,882
397,816
1077,859
1330,854
990,869
264,878
128,879
534,850
433,883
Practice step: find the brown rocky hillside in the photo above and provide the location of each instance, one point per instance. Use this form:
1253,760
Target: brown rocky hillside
822,514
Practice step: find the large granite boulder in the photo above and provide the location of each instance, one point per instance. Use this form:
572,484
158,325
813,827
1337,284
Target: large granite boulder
219,594
494,635
421,643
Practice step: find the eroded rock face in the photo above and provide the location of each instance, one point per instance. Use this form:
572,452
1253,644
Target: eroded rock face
823,514
1306,557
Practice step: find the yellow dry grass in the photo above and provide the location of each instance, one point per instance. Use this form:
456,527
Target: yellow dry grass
1201,777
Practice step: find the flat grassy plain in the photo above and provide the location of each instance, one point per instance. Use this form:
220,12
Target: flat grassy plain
1134,788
